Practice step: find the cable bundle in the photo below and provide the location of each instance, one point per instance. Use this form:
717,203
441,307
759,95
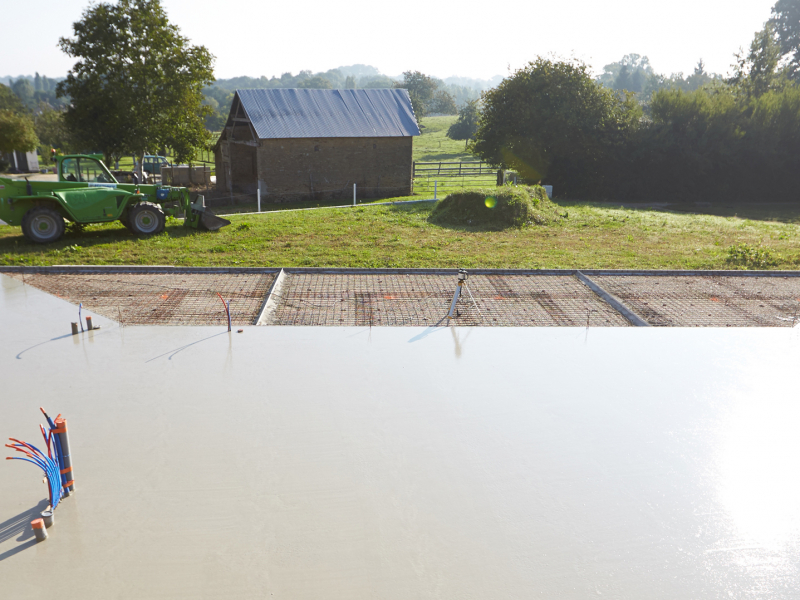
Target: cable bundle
51,463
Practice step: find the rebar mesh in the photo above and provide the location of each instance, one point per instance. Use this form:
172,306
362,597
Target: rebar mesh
423,299
708,301
415,299
160,298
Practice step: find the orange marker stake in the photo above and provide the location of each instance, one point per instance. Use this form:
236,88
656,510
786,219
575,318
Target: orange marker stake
39,530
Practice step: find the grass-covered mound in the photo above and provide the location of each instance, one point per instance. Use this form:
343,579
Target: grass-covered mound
496,208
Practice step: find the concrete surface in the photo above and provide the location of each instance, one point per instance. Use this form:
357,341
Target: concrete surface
295,463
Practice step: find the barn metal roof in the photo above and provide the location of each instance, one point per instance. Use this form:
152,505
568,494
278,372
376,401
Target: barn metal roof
308,113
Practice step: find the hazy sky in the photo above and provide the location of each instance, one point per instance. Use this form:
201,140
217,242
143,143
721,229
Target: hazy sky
473,39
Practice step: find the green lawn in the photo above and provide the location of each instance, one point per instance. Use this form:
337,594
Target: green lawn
434,145
590,236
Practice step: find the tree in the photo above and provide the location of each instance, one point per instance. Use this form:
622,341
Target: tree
51,130
550,120
316,82
421,88
16,132
756,72
10,101
443,103
699,78
350,83
623,80
785,22
137,84
630,73
467,123
24,91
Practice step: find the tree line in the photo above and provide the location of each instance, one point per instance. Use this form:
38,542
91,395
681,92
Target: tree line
139,86
429,95
627,134
698,138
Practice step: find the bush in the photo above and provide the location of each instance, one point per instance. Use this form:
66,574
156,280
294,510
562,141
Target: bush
749,257
551,122
496,208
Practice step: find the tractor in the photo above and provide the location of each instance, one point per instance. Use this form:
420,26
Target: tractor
87,192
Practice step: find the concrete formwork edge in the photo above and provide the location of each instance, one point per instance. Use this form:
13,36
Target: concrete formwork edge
613,301
270,302
146,269
385,271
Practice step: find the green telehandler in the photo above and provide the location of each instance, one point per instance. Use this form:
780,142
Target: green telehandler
86,192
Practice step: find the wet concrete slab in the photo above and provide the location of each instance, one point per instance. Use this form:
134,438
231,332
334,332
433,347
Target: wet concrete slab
358,462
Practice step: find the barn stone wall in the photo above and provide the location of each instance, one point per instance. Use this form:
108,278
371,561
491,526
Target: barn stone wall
327,168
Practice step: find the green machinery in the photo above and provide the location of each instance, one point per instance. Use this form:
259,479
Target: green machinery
86,192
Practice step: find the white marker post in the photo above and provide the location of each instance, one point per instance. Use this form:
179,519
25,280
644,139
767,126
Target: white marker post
354,194
258,195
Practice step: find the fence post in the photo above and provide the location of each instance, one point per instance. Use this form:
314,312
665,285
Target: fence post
354,194
258,196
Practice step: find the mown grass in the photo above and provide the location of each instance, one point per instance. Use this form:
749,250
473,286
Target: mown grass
588,236
434,145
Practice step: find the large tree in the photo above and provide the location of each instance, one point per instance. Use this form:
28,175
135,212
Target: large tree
16,132
138,82
785,22
467,123
24,91
758,71
550,121
10,101
421,88
51,130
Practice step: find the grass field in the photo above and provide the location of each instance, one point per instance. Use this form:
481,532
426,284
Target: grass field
589,236
434,145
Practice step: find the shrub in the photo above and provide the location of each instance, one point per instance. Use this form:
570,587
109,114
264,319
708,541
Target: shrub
749,257
495,208
550,121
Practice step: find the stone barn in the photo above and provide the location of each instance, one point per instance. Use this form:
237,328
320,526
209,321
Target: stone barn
300,144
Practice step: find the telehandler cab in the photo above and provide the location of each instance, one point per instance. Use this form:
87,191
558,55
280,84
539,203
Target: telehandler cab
86,192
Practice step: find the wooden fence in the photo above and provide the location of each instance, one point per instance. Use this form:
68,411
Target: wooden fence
452,169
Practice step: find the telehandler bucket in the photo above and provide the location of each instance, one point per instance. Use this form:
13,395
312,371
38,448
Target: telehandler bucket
203,218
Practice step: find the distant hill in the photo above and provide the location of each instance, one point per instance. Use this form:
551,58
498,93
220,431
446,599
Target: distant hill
353,76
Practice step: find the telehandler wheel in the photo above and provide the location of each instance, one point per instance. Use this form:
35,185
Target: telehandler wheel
146,218
124,221
42,225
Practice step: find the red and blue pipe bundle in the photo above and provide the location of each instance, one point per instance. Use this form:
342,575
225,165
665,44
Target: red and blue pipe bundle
52,463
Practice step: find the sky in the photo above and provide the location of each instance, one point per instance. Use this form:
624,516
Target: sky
468,39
